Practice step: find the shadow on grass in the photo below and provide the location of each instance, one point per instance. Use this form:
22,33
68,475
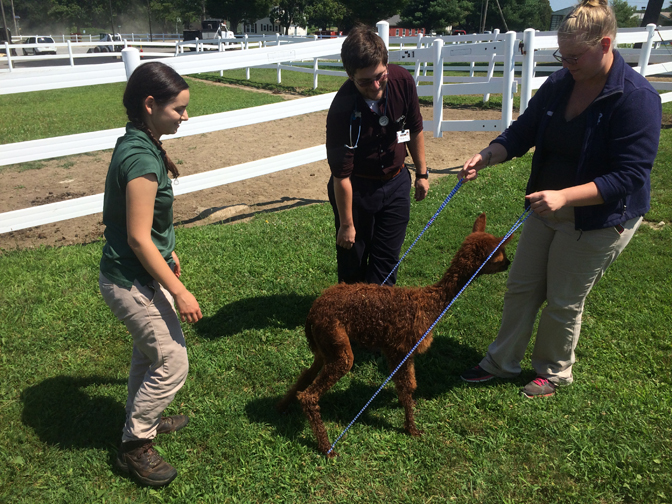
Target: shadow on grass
259,312
437,372
63,412
284,203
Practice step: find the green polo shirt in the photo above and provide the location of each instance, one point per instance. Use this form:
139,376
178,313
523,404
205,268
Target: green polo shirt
134,156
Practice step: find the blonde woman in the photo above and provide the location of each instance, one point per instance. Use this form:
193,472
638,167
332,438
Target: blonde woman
139,270
595,126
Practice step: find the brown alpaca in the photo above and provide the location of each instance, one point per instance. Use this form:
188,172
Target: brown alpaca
390,319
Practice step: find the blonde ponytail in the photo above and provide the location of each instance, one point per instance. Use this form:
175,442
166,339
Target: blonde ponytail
589,22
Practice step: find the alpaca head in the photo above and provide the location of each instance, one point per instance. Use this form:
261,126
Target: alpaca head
478,246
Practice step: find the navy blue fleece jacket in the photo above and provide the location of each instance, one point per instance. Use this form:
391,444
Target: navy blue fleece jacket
619,146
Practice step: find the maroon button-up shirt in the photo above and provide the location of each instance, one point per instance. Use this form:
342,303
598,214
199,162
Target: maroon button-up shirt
378,152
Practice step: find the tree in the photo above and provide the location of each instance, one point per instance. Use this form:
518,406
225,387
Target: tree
371,11
325,13
624,14
237,11
518,15
435,14
288,13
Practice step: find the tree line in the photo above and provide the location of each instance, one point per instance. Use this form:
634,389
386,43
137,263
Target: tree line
169,16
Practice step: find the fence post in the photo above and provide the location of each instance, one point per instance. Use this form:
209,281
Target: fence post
279,73
645,53
384,32
437,70
491,65
9,56
528,69
508,80
246,47
131,57
417,63
72,60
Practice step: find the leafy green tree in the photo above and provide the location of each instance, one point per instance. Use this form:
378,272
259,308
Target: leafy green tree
624,13
325,13
237,11
435,14
371,11
288,13
518,15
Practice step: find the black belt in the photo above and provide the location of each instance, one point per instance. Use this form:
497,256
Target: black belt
388,176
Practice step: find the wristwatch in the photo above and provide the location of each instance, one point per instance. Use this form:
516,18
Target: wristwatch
422,175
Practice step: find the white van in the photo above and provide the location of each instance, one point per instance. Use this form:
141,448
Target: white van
48,47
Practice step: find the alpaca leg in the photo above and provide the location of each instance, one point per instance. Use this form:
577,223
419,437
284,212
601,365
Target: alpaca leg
405,383
331,373
304,380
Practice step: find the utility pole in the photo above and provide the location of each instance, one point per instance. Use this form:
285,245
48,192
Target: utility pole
111,18
16,28
149,15
502,14
8,38
485,15
652,12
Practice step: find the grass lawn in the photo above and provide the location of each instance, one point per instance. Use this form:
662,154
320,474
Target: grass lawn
606,439
44,114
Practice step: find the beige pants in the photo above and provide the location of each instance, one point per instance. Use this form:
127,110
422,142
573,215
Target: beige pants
559,265
159,364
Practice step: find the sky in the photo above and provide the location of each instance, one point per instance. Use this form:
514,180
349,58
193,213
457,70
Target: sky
561,4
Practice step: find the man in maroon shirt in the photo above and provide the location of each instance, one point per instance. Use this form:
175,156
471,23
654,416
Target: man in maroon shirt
373,118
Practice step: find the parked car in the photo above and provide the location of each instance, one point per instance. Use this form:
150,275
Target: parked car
49,46
108,37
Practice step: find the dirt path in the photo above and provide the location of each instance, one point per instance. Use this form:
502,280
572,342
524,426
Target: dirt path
82,175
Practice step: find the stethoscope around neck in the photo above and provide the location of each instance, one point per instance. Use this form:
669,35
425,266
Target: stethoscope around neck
383,120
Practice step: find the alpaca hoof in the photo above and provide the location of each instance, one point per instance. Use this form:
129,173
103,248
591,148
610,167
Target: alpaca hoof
331,455
413,431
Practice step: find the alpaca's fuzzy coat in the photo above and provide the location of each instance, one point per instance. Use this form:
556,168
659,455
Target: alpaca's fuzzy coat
389,319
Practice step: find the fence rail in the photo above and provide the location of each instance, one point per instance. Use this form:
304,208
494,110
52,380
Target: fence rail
507,54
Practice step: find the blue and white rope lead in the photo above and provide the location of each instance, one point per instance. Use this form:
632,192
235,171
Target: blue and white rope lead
513,229
443,205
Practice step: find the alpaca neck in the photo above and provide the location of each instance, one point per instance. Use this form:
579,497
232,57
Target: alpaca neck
454,279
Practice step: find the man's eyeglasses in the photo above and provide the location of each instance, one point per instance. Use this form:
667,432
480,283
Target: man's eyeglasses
382,76
570,61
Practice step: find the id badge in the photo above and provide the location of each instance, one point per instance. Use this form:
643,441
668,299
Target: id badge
403,136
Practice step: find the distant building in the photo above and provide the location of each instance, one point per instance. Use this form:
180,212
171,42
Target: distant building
558,16
266,27
398,31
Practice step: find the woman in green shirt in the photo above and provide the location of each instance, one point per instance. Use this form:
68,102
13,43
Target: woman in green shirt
139,270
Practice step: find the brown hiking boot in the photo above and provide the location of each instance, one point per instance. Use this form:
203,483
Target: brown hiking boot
140,459
172,424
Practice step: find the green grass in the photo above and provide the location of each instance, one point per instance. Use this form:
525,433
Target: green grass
302,84
44,114
606,439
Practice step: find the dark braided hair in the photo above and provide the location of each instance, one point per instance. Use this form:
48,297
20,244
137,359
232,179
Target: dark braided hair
162,83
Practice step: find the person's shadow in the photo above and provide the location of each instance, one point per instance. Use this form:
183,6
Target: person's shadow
75,413
278,310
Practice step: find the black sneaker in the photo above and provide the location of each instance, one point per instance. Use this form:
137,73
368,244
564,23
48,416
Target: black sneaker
476,375
140,459
172,424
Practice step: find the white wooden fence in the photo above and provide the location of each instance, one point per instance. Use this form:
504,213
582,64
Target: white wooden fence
506,49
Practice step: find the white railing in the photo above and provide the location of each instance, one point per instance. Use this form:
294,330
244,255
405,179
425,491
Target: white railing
492,49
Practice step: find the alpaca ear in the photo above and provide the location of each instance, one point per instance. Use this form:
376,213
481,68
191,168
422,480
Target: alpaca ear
479,225
507,241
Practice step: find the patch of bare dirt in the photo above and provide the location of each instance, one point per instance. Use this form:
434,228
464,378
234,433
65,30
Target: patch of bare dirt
76,176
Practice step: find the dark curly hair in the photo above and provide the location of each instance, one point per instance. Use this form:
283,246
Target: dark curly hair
362,48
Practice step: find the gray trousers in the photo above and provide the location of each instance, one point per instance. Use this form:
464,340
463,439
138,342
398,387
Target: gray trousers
558,265
159,364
